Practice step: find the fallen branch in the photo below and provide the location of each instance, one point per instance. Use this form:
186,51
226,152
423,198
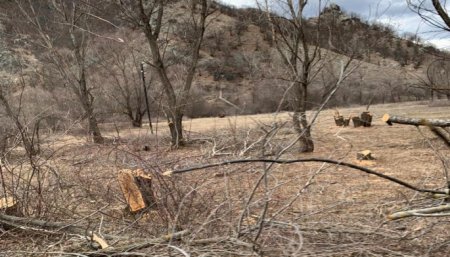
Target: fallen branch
279,161
40,225
119,250
390,119
427,212
442,134
106,250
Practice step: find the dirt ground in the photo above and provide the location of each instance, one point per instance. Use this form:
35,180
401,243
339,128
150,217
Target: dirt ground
300,209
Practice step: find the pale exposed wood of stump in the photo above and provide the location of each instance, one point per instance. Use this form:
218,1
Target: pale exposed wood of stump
137,189
365,155
8,205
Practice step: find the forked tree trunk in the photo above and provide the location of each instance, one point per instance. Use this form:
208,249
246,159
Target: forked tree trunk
176,128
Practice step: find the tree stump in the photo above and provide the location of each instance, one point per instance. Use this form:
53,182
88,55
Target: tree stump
8,205
357,122
137,189
364,155
339,120
366,119
347,122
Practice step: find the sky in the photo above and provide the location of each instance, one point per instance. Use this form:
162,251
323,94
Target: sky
393,12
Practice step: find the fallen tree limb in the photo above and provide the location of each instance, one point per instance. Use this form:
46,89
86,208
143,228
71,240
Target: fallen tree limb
340,163
127,248
427,212
442,134
390,119
41,225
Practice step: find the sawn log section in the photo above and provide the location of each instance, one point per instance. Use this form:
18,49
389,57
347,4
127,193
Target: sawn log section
389,119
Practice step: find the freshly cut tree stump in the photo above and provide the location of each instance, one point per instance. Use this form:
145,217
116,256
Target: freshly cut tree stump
390,119
137,188
357,122
366,119
339,120
346,122
8,205
364,155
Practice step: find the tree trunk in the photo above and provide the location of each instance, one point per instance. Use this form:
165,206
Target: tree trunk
86,100
299,119
137,120
94,130
176,128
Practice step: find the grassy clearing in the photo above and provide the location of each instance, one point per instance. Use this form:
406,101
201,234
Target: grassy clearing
309,209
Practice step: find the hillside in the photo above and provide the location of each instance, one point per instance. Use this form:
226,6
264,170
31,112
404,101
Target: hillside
238,61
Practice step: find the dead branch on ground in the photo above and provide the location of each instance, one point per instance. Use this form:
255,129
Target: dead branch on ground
340,163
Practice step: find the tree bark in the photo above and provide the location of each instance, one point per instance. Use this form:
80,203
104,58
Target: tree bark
176,128
389,119
299,119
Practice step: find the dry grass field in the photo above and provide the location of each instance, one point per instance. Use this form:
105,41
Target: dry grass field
251,209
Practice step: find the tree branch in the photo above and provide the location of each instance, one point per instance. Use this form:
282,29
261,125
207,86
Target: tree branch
280,161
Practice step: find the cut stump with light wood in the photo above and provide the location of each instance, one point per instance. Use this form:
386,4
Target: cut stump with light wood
364,155
137,189
8,205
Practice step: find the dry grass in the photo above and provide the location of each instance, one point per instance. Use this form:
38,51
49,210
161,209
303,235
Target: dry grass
310,209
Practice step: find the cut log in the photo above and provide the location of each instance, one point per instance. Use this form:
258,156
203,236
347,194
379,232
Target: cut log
137,189
357,122
8,205
390,119
364,155
366,119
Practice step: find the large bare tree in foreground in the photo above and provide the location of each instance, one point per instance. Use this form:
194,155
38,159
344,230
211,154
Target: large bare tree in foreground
149,16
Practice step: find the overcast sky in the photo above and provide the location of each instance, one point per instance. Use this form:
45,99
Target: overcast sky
393,12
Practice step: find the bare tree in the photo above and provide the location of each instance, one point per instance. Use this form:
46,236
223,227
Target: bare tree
149,16
72,19
300,51
438,75
290,38
433,12
119,67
